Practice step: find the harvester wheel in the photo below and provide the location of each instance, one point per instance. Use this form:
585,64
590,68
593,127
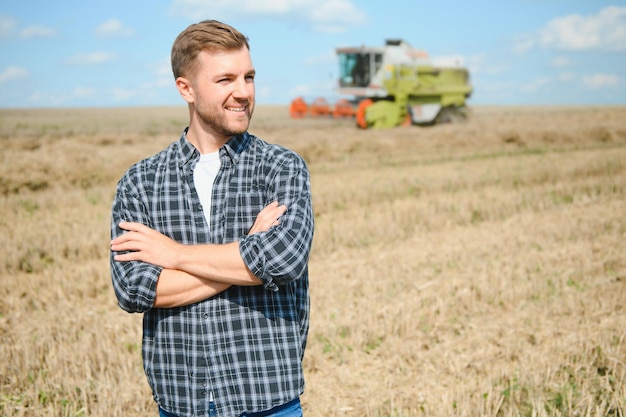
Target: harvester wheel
361,119
449,114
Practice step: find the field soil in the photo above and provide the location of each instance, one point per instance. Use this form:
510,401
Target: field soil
470,269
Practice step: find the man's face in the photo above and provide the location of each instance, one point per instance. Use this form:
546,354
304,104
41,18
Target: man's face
223,88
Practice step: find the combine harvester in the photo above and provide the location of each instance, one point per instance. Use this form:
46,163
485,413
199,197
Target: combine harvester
393,86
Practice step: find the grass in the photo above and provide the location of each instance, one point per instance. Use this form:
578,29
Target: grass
476,269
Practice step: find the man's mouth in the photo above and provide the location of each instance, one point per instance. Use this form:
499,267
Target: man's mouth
236,109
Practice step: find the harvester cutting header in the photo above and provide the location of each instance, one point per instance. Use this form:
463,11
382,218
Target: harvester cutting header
393,86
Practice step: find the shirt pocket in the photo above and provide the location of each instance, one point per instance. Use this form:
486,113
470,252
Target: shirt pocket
242,211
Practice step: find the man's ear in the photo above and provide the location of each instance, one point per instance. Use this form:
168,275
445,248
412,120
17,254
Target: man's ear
185,89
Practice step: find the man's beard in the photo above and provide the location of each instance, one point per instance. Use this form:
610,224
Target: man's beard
217,120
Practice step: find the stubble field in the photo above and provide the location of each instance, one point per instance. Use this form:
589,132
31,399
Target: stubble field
476,269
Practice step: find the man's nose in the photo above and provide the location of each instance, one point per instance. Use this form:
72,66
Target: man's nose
242,88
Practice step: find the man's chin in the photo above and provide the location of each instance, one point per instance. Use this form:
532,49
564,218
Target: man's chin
234,129
240,124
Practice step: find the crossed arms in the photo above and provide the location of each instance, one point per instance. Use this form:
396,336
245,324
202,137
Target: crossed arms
190,273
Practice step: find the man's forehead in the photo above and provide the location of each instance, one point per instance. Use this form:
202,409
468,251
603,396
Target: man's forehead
224,56
225,62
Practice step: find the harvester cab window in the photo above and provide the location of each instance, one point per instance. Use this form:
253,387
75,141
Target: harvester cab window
357,69
361,70
347,62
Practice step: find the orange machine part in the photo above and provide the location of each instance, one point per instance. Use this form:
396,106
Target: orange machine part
361,121
343,108
408,121
298,108
319,107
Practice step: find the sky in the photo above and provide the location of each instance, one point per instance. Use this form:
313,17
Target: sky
116,53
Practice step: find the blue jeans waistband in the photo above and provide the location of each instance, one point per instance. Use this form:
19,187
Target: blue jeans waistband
275,410
265,413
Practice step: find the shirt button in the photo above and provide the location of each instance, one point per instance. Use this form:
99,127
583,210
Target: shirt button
205,315
200,207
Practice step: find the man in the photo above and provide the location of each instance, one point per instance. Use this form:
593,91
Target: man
210,240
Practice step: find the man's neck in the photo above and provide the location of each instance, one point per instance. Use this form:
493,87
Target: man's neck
204,142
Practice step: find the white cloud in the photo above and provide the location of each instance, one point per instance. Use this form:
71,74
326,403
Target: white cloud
523,42
123,94
161,75
477,65
7,26
163,68
264,92
46,98
601,80
334,16
490,88
560,61
566,77
113,28
329,16
309,92
13,73
605,30
301,90
90,59
535,85
327,58
83,92
38,32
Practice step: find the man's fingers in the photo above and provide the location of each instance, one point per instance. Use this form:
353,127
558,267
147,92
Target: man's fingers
125,238
274,211
128,256
271,214
268,217
129,245
133,226
134,232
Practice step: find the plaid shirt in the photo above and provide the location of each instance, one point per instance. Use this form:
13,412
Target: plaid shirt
243,347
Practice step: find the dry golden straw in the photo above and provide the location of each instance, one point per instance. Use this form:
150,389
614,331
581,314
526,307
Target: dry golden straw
476,269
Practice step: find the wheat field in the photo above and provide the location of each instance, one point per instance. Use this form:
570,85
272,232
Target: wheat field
474,269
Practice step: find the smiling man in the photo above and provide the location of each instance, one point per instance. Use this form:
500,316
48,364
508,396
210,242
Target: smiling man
211,240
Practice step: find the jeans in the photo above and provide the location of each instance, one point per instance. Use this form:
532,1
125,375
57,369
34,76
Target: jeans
291,409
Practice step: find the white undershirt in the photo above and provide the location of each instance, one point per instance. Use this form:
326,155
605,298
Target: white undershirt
203,178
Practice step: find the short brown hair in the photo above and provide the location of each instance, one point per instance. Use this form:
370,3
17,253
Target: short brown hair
208,35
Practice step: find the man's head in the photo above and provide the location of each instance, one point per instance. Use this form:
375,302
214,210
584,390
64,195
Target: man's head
215,76
208,35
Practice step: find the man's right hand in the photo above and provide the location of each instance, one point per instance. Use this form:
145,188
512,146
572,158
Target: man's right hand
268,217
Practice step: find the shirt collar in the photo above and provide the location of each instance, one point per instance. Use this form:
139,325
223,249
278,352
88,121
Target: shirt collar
186,151
233,148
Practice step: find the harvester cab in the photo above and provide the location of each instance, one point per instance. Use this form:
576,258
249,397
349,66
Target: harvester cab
399,85
361,69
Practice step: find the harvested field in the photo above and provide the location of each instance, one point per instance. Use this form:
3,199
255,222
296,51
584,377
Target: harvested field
475,269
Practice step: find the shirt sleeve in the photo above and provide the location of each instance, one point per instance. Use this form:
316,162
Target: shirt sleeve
281,254
134,282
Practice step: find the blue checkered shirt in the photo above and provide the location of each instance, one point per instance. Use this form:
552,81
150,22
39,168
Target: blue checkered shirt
243,347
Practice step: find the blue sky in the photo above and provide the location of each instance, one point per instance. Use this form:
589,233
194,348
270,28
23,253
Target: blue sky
116,53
